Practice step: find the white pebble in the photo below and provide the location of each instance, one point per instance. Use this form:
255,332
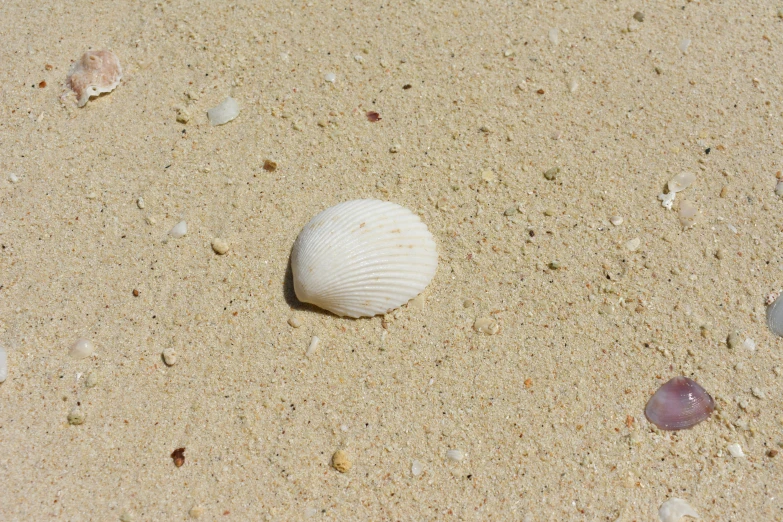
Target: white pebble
684,44
220,246
455,455
224,112
330,77
179,230
554,36
486,325
13,178
674,509
750,344
140,202
616,220
81,348
294,321
416,468
3,365
169,356
314,342
736,451
778,188
573,85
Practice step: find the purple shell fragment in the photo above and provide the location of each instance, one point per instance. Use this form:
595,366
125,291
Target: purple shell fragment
679,404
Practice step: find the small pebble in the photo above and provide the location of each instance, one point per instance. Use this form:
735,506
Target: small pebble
758,393
169,356
779,189
733,340
179,230
224,112
467,303
687,214
552,173
341,462
269,165
633,244
674,509
780,12
330,77
92,380
736,451
81,348
486,325
314,342
684,44
140,202
127,516
76,417
750,344
554,36
3,365
658,70
616,220
220,246
183,115
510,211
455,455
772,453
13,178
416,468
488,176
135,292
294,321
196,512
394,149
178,456
554,265
638,16
724,191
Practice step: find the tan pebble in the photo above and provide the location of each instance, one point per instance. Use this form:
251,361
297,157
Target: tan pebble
616,220
76,417
467,303
488,176
127,516
341,462
724,191
552,173
220,246
633,244
733,340
196,511
294,321
183,115
486,325
269,165
92,380
169,356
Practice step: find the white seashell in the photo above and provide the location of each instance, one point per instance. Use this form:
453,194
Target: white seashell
455,455
674,509
3,365
735,450
224,112
81,348
688,214
362,258
681,181
775,317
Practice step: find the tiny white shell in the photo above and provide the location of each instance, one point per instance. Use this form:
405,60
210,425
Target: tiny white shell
362,258
81,348
681,181
179,230
224,112
775,317
674,509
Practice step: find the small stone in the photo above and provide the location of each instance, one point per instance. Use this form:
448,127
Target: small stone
736,451
780,12
549,212
638,16
772,453
750,344
178,456
81,348
330,77
455,455
140,202
758,393
394,149
552,173
573,85
486,325
313,346
3,365
196,512
341,462
169,356
13,178
467,303
270,165
719,254
554,36
92,379
510,211
416,468
127,516
183,115
135,292
485,129
488,176
294,321
616,220
633,244
688,214
724,191
554,265
224,112
658,70
733,340
76,417
779,189
220,246
179,230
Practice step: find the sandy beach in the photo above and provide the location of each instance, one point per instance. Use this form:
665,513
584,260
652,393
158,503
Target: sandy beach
533,138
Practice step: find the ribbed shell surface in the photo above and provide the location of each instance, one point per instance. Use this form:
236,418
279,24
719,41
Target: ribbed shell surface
362,258
679,404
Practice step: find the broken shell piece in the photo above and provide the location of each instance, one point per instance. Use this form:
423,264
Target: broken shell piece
775,317
179,230
674,509
486,325
679,404
226,111
81,348
681,181
95,73
688,214
667,200
736,451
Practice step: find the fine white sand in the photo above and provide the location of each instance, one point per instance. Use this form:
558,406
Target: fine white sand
548,412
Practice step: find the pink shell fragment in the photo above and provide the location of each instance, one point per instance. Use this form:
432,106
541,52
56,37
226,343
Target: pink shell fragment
679,404
95,73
